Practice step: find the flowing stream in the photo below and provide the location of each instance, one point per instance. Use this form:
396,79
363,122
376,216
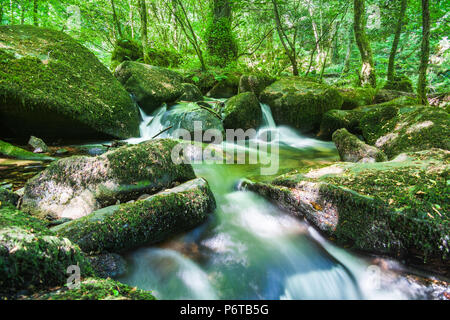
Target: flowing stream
250,249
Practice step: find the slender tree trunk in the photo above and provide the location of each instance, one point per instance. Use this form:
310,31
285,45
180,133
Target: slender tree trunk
35,13
284,40
1,13
22,14
398,31
348,55
131,12
116,19
143,13
11,20
367,74
425,54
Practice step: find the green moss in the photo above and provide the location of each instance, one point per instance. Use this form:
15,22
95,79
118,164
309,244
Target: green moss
396,129
99,289
124,50
163,57
47,76
148,221
7,149
337,119
33,261
11,217
8,197
300,103
400,83
354,98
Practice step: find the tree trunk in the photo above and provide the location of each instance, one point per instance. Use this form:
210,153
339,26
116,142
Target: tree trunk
11,20
398,31
367,74
1,13
116,19
35,13
348,55
219,39
284,40
22,14
425,55
131,18
143,13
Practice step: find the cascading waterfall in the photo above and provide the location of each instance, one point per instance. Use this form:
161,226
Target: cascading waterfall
249,249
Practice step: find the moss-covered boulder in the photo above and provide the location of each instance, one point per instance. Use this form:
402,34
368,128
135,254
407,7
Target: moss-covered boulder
9,150
398,129
299,102
352,149
400,83
51,86
108,265
97,289
226,87
336,119
385,95
151,86
183,116
354,98
204,80
191,93
126,50
147,221
32,261
399,208
37,145
8,197
242,112
163,57
255,83
74,187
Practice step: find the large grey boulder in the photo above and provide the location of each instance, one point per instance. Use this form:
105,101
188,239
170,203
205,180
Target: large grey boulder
76,186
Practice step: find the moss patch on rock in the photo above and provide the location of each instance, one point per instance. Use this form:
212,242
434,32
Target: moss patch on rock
396,129
147,221
34,261
354,98
97,289
255,83
299,102
51,86
338,119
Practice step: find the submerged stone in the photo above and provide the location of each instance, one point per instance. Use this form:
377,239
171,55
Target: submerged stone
300,103
76,186
148,221
51,86
38,145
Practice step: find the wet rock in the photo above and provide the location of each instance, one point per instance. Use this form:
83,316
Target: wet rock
183,116
37,145
255,83
147,221
225,88
52,86
398,208
352,149
242,112
299,102
8,197
191,93
338,119
108,265
62,151
151,86
33,261
76,186
7,149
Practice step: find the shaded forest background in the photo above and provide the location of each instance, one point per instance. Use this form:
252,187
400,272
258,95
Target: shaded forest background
310,37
